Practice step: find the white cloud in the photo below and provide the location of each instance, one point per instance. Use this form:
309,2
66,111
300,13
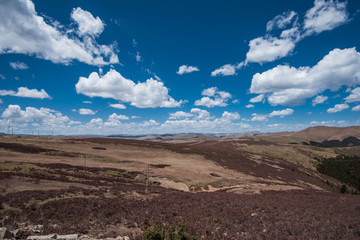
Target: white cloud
43,117
250,106
230,116
134,43
282,113
25,92
354,95
319,100
325,16
268,49
257,99
226,70
213,98
87,23
338,108
115,116
200,114
87,102
259,117
18,65
279,113
210,92
1,101
186,69
180,114
281,21
118,106
356,108
199,120
86,111
287,85
2,77
149,94
331,123
24,31
138,57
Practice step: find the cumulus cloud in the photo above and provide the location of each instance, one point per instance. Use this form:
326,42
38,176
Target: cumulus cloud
258,98
332,123
325,16
213,98
51,40
186,69
18,65
230,116
198,120
43,117
356,108
281,21
338,108
259,117
200,114
282,113
118,106
278,113
250,106
319,100
268,49
87,23
226,70
285,85
115,116
86,111
179,115
25,92
354,95
149,94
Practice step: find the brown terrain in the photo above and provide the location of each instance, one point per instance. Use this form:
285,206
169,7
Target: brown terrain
261,187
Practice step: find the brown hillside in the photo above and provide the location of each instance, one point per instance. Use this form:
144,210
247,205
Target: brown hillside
317,134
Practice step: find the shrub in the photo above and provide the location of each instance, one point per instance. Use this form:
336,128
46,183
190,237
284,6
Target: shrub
154,233
177,232
173,232
343,189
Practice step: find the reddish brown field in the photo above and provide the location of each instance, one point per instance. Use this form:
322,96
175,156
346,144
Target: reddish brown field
44,182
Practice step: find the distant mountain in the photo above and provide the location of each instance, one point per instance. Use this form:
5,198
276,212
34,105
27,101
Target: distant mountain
315,134
322,133
187,136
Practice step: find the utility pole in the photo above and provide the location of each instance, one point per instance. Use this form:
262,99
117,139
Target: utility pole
147,179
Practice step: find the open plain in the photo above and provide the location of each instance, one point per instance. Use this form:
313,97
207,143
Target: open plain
220,188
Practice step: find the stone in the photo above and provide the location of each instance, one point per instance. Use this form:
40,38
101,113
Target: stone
14,232
68,237
44,237
5,233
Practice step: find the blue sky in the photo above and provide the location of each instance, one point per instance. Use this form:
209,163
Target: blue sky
139,67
